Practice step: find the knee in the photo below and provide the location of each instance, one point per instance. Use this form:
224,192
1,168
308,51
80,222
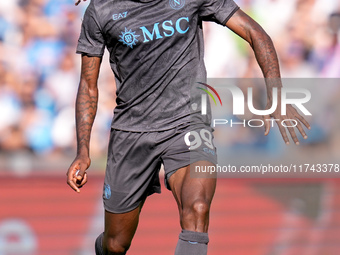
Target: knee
116,247
199,209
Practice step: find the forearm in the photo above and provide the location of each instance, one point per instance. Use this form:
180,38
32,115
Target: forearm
267,59
262,45
86,102
265,53
86,109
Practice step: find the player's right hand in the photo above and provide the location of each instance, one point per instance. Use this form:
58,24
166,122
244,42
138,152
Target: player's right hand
76,174
78,2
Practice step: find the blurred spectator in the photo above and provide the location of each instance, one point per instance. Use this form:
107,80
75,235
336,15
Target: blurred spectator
331,67
62,83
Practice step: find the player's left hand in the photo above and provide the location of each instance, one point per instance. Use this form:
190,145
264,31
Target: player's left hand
292,114
78,2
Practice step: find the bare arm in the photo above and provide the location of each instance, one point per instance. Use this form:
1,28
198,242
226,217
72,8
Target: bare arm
244,26
86,109
266,56
86,103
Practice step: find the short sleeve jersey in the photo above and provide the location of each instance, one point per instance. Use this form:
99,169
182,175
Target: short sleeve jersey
156,54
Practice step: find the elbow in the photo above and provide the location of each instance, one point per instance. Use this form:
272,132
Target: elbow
88,84
87,89
258,35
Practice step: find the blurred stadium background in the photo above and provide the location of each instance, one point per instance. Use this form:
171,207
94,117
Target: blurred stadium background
39,73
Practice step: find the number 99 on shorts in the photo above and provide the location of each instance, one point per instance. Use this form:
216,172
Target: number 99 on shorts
195,139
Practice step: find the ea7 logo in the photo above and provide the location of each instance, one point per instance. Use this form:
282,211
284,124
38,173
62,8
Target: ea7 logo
119,15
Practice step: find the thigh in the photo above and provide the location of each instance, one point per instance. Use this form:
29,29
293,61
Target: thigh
190,144
187,190
132,170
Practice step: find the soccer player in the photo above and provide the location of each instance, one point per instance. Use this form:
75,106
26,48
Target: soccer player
156,54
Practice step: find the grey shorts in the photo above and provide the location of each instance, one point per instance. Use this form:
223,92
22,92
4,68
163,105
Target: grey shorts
135,158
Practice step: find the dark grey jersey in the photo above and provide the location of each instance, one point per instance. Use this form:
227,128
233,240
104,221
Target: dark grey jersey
156,54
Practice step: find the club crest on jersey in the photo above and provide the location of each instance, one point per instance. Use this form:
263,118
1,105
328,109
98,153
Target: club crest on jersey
129,38
176,4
